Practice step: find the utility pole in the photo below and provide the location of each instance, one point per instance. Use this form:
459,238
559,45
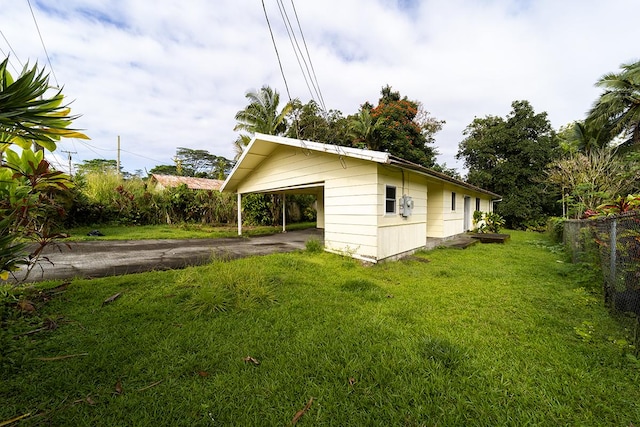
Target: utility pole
118,162
69,157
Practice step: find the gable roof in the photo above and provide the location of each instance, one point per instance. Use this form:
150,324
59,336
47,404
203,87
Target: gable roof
261,147
192,183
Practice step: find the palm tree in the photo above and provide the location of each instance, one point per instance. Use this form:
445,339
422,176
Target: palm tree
240,144
586,137
619,105
262,115
362,129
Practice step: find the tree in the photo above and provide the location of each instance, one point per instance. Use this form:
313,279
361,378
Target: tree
221,167
97,165
618,107
584,137
407,130
309,122
240,144
198,163
364,129
262,114
590,179
164,170
509,156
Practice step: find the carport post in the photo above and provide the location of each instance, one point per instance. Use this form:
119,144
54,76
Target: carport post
284,211
239,214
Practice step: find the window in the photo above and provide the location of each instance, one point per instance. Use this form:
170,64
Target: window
477,203
390,200
453,201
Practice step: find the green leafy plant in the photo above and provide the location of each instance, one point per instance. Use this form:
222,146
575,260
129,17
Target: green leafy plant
31,204
28,115
621,205
477,221
488,222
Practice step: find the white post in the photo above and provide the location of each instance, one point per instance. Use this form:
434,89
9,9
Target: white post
284,213
239,214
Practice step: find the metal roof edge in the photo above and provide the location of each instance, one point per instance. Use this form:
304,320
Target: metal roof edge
439,175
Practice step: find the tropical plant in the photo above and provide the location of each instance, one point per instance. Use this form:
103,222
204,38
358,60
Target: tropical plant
590,179
493,222
28,115
619,205
487,222
31,206
618,107
363,127
262,114
240,144
584,137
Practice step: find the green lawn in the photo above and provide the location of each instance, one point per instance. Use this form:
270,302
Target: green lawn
491,335
177,231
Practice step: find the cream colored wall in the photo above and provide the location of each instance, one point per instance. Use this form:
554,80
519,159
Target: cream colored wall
396,233
444,222
350,194
453,219
435,210
352,211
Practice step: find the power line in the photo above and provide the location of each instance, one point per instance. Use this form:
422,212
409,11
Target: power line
276,48
315,77
42,41
93,149
294,43
12,51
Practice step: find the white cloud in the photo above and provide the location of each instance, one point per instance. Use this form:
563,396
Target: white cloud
172,74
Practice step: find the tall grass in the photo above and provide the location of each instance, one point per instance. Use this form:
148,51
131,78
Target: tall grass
492,335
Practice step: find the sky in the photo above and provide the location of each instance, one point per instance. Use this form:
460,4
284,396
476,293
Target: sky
166,74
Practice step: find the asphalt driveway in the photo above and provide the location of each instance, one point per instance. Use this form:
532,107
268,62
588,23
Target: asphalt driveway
117,257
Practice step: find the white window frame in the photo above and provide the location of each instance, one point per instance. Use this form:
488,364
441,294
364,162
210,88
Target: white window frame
453,201
387,200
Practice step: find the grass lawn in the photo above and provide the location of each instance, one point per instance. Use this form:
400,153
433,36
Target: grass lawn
177,231
491,335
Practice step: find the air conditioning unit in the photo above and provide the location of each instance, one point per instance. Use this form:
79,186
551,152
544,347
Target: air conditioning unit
406,206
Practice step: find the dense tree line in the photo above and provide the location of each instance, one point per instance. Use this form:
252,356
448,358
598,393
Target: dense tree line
396,124
544,173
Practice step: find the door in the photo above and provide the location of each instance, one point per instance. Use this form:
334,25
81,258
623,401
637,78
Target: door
467,213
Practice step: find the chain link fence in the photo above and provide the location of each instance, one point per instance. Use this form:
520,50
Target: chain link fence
618,239
614,244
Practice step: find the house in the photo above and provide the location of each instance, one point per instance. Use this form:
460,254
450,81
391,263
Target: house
169,181
371,205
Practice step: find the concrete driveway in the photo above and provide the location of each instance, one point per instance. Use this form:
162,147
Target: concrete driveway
116,257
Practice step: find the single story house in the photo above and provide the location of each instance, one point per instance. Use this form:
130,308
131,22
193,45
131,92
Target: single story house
371,205
162,182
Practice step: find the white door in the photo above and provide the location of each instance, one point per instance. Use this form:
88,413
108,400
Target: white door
467,213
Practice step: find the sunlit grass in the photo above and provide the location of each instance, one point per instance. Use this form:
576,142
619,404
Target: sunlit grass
491,335
178,231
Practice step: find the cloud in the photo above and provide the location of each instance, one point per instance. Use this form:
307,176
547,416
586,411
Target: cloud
172,74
